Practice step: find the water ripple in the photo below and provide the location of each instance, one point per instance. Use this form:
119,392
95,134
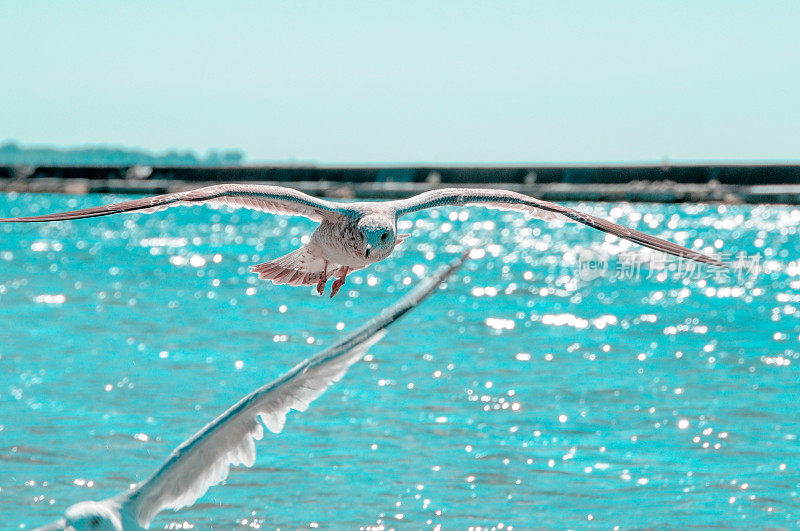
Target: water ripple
524,395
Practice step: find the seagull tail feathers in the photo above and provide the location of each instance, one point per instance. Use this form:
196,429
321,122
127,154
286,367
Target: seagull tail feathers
301,267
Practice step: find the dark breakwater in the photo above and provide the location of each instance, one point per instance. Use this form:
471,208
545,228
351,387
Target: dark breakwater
770,183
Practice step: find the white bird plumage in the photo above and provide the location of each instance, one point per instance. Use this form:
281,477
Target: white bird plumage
205,459
352,236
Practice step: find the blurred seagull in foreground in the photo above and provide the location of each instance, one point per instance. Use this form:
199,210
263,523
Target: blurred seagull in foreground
205,459
352,236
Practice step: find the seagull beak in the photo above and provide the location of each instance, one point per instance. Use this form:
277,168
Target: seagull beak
369,250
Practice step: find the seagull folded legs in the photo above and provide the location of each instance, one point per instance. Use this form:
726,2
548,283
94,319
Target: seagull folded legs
339,282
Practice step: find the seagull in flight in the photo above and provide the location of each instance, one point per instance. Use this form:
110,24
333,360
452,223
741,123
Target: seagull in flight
352,236
204,459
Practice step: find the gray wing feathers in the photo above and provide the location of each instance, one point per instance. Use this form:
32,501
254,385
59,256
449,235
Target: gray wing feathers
205,459
489,198
507,200
272,199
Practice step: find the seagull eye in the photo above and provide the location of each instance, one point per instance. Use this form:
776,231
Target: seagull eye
384,235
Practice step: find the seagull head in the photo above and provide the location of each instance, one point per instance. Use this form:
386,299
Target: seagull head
378,235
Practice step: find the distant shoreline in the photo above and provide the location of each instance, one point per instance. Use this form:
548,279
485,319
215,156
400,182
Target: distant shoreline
739,183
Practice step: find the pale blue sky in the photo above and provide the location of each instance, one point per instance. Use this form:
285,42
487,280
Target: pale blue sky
448,82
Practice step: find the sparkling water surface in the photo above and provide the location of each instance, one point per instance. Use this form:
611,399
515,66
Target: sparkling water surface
531,392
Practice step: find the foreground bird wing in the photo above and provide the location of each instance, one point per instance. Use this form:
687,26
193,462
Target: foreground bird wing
508,200
58,525
205,459
272,199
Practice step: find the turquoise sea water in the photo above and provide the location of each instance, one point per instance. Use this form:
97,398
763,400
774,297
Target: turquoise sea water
527,394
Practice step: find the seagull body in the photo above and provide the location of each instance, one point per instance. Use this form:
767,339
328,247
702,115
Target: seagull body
205,458
352,236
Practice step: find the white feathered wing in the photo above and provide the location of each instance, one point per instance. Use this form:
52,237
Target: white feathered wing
205,459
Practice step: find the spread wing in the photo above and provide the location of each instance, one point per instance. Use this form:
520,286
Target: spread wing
205,459
58,525
272,199
507,200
